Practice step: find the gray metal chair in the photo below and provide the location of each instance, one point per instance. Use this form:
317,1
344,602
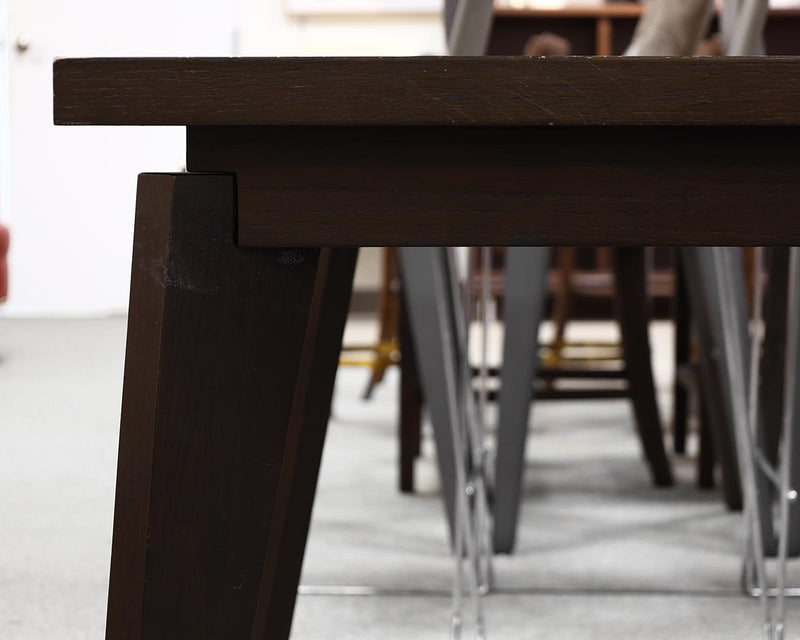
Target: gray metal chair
432,316
439,336
756,383
468,25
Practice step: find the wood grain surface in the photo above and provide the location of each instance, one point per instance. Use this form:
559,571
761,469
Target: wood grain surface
472,186
427,91
230,362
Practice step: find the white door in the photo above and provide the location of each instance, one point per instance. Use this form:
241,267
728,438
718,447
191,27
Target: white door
71,190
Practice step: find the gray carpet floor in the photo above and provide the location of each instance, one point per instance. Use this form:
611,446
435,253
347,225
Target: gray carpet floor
601,554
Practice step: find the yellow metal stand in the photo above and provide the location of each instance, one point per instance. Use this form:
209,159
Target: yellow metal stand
379,357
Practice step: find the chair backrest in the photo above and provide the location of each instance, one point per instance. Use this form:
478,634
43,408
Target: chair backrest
743,24
468,24
671,28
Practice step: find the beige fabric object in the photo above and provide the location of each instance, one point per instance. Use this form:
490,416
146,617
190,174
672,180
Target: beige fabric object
671,28
743,23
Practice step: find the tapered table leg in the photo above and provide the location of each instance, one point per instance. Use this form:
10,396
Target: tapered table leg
230,363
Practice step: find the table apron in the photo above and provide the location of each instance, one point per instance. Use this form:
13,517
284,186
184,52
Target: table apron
507,186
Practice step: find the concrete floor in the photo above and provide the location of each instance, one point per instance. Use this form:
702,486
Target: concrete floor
601,554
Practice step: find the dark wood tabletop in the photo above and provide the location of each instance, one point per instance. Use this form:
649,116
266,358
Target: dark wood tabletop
427,91
649,151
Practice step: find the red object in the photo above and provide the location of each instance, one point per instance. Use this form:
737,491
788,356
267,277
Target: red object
3,262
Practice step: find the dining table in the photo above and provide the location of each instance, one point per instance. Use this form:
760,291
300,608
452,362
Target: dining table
243,265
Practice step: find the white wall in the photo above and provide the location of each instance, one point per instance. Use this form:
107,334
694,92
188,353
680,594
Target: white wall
271,32
70,196
72,189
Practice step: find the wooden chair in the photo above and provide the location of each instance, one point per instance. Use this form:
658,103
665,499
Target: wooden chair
386,351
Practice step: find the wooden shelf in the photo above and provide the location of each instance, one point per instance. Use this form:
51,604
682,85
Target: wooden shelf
611,10
620,10
607,29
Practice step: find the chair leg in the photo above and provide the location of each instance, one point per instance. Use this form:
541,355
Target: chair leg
428,313
705,457
410,404
774,353
701,281
714,413
388,310
525,288
772,368
230,363
793,353
633,317
562,297
680,398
